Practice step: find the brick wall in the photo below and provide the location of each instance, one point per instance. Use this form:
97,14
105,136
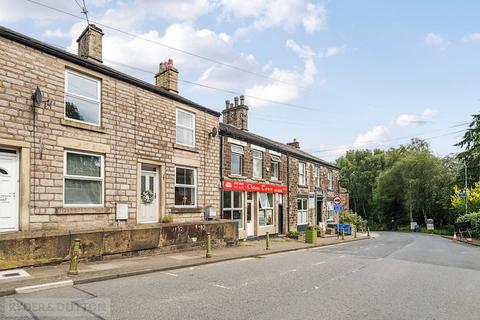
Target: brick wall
136,125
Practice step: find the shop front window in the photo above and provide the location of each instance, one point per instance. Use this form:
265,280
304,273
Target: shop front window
265,214
233,206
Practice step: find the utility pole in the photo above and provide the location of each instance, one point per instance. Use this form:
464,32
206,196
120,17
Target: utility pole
466,190
410,196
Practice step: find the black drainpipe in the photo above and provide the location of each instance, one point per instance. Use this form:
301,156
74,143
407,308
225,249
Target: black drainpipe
288,193
221,174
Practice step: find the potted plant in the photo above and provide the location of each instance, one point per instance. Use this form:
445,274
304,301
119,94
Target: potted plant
168,218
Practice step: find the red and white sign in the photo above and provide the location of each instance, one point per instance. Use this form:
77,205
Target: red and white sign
253,187
337,200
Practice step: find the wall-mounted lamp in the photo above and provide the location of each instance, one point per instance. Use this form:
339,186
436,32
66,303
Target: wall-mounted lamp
37,98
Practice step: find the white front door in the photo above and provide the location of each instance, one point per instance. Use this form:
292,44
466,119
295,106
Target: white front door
149,195
8,191
249,218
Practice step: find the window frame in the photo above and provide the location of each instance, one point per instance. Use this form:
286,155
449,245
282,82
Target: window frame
185,127
275,163
233,208
83,178
79,96
253,163
242,157
186,186
317,176
302,174
260,209
303,211
330,179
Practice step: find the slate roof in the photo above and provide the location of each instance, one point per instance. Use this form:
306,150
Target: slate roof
247,136
98,67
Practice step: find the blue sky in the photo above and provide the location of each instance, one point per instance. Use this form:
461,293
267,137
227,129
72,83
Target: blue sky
359,74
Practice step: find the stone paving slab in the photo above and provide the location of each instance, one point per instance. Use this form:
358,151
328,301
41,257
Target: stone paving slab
129,266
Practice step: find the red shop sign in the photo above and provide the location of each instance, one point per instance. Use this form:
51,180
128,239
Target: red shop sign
253,187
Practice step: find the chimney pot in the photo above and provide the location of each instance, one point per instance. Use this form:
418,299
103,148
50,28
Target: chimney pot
227,104
236,101
167,76
242,100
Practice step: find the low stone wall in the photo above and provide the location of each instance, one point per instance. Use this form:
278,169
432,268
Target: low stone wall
36,248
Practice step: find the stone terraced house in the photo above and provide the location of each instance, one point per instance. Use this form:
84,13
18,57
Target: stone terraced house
270,186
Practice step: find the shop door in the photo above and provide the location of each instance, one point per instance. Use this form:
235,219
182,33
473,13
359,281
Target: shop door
319,210
8,191
250,220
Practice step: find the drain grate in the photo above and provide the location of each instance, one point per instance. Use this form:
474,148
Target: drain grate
13,274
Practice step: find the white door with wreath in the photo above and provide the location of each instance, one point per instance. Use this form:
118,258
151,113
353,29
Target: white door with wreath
149,195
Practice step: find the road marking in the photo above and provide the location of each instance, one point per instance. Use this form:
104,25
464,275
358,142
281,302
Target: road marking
45,286
246,259
220,286
342,256
319,263
192,268
293,270
171,274
316,288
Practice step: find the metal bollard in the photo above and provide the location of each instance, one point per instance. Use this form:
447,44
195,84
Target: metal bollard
368,232
355,232
343,234
73,270
338,232
267,241
209,245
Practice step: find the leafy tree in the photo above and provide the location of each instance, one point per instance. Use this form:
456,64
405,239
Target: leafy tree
473,199
471,145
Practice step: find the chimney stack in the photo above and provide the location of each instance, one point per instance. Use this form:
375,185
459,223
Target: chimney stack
236,114
90,43
294,144
167,76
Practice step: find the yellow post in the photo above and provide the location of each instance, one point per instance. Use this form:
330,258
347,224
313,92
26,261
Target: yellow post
368,232
209,245
267,240
73,270
343,233
355,231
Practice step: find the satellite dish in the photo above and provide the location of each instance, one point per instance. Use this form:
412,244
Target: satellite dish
214,132
37,97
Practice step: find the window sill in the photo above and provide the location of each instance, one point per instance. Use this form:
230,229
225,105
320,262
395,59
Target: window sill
83,210
186,210
84,126
184,148
236,176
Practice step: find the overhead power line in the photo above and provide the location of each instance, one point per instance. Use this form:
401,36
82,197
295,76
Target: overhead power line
192,54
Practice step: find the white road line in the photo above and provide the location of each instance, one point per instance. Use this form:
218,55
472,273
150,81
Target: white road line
246,259
220,286
319,263
45,286
171,274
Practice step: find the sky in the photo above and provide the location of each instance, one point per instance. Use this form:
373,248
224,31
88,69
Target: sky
336,75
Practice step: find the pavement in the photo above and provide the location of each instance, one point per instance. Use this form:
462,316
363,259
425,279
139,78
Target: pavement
49,276
393,276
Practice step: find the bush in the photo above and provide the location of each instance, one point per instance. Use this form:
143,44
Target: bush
293,234
354,219
474,219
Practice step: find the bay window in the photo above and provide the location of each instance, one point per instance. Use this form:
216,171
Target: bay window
83,179
237,160
265,212
82,98
185,125
185,186
257,163
233,206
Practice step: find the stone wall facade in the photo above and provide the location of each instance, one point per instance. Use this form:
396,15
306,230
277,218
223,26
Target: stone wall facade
137,127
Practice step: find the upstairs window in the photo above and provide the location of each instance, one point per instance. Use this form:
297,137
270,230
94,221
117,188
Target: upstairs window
317,176
275,167
82,98
301,174
257,163
330,179
185,128
237,160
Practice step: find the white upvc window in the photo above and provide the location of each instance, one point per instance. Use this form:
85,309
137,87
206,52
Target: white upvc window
275,167
237,160
233,206
265,212
185,124
330,179
82,98
185,187
257,163
301,174
83,179
302,211
317,177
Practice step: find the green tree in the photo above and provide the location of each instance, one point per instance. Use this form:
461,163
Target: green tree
471,145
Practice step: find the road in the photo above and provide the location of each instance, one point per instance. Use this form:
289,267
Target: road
394,276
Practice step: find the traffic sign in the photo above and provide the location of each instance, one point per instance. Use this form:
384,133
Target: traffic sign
462,195
337,200
337,207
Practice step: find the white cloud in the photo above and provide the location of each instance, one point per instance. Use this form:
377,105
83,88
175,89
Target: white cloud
264,14
375,136
408,119
435,39
472,37
333,51
303,51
